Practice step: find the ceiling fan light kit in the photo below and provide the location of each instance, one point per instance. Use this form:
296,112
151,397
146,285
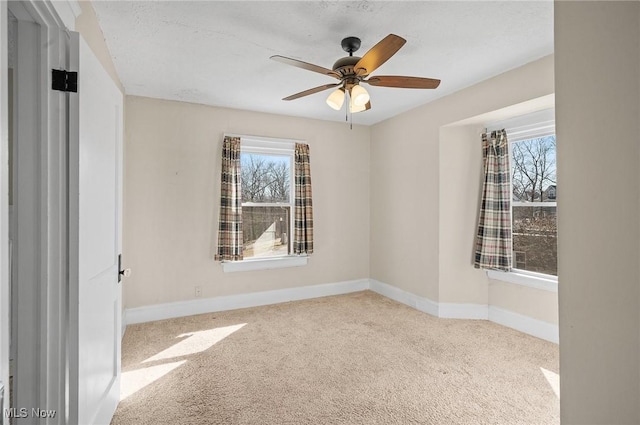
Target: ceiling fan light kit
352,71
336,99
353,108
359,95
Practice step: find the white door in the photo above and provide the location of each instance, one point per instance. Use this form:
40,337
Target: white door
95,194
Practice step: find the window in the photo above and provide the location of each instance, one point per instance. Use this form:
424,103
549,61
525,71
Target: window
259,174
267,199
532,148
534,228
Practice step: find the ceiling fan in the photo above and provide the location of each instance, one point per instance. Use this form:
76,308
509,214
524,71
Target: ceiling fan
353,70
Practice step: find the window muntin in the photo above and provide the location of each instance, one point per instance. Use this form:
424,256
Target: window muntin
267,202
534,208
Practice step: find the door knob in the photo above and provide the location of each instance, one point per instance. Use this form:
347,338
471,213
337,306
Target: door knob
125,272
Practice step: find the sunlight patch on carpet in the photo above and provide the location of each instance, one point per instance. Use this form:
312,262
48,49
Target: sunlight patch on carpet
135,380
553,379
195,342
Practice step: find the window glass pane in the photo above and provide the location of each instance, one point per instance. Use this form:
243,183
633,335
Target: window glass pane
533,170
265,178
535,246
533,173
265,231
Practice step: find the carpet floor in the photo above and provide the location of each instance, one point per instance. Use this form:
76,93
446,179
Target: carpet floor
350,359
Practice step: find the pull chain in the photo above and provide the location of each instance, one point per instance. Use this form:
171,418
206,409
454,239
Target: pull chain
347,101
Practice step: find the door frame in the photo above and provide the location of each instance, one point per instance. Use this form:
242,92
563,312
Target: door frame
5,318
50,305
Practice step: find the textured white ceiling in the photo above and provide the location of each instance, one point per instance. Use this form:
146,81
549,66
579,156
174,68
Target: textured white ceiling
217,52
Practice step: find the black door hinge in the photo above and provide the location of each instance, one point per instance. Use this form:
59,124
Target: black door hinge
62,80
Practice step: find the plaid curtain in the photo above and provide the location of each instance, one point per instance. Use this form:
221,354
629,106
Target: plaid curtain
230,223
493,241
303,224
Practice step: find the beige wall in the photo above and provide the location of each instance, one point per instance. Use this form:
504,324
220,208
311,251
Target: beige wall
535,303
87,25
404,203
425,183
597,111
172,174
460,167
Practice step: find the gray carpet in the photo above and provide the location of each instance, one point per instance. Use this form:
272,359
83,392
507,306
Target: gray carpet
350,359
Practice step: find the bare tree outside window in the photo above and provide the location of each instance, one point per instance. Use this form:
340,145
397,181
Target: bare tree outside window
266,184
264,178
533,173
533,168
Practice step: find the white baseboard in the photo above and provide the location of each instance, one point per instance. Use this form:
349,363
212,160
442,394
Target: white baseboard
232,302
419,303
522,323
526,324
443,310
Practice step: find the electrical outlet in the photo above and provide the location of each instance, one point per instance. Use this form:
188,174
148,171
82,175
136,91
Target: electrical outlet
198,291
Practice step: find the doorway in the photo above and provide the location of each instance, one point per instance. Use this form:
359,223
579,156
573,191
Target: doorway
24,210
33,208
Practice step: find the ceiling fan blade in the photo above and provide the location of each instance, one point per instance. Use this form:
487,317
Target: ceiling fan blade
307,66
403,82
311,91
379,54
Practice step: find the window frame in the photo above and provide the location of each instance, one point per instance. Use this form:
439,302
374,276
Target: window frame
260,150
525,127
272,147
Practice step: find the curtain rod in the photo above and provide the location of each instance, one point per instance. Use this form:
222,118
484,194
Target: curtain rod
265,139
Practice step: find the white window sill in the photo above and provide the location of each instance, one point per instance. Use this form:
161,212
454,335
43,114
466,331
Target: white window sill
264,263
532,280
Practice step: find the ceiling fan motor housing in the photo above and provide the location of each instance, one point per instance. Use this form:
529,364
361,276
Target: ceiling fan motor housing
344,66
